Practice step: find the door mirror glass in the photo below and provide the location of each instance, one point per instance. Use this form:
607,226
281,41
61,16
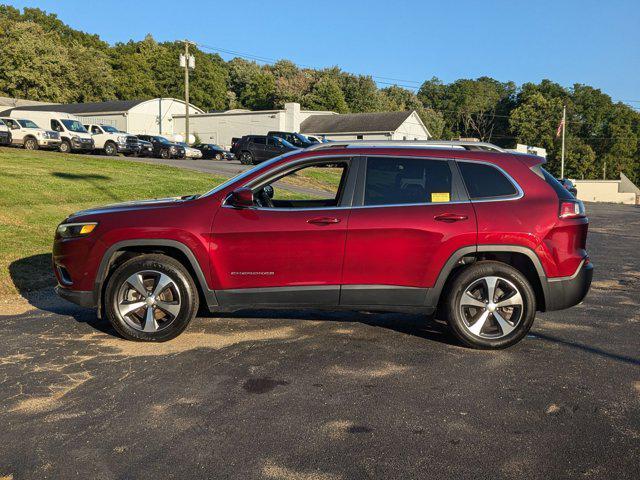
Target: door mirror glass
242,198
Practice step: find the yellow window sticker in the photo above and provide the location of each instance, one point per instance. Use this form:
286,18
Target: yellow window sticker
440,197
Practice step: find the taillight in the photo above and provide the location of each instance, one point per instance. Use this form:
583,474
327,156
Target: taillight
571,209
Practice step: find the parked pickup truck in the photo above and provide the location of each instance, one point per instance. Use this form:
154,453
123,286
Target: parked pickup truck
112,141
29,135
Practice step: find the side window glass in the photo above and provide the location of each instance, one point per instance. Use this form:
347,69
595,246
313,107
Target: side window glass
55,125
259,140
96,130
317,185
485,181
393,181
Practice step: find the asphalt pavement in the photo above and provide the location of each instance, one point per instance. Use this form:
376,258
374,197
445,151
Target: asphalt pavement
323,396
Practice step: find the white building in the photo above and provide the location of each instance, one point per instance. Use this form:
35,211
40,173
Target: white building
367,126
151,117
221,127
614,191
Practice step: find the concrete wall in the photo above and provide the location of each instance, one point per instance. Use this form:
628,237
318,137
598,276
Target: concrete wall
603,191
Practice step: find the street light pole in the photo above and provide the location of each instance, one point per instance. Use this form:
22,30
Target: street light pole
187,61
564,127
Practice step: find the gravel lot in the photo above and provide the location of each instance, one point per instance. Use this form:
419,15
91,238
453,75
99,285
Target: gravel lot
323,396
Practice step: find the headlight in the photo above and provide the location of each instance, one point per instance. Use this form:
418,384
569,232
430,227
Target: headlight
39,134
122,139
75,139
72,230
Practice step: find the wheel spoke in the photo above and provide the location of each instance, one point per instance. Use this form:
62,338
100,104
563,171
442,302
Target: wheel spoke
127,308
505,326
163,282
491,288
150,324
470,300
170,308
513,300
135,281
477,326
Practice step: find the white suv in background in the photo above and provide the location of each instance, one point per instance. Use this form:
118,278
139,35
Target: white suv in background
112,141
29,135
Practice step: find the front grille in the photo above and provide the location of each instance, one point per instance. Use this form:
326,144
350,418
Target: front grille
132,141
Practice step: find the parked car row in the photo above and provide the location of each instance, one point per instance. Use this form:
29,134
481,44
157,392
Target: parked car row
67,134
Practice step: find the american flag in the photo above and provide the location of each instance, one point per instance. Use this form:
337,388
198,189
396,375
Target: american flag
560,127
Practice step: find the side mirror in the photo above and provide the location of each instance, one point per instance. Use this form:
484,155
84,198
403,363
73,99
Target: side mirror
242,198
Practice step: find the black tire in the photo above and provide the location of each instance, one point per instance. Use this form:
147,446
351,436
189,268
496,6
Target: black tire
110,149
247,158
187,295
164,154
509,277
30,143
65,146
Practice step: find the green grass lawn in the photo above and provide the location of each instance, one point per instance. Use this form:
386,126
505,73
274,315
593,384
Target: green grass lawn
39,189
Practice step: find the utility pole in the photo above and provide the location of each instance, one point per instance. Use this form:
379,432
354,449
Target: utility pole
187,61
564,127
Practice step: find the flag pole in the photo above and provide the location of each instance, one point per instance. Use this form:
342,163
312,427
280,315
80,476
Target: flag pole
564,127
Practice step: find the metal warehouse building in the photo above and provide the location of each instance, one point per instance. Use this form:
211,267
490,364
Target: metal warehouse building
152,117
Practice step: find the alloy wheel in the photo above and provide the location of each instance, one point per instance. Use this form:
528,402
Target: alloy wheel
491,307
149,301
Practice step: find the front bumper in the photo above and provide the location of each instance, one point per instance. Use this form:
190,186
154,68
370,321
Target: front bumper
128,149
82,145
49,143
569,291
79,297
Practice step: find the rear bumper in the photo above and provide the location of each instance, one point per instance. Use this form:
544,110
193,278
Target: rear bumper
79,297
569,291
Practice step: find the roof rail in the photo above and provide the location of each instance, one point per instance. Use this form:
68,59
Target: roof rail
454,144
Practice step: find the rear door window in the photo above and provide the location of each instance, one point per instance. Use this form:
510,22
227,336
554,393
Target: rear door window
485,181
259,140
401,181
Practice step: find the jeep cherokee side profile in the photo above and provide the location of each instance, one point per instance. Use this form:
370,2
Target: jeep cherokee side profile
485,236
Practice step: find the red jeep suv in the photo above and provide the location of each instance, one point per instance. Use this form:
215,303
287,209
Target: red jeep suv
485,236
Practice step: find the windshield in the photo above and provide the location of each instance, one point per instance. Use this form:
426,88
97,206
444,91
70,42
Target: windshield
110,129
162,140
246,173
183,144
27,124
74,126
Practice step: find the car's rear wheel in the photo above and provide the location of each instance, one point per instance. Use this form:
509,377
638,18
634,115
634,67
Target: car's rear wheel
490,305
31,144
247,158
151,298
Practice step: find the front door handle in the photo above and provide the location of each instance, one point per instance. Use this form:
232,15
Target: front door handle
450,217
324,220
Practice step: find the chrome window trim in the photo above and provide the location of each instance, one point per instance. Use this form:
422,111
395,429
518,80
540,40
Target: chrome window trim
504,198
517,196
257,182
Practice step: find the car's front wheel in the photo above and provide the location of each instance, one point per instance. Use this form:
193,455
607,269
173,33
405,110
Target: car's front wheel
31,144
247,158
65,146
490,305
151,298
110,149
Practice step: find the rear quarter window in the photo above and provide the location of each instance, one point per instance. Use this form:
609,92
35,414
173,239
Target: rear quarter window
563,193
485,181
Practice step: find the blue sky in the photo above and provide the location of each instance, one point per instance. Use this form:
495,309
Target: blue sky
568,41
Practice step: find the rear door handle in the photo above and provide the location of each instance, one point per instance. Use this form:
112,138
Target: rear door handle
323,220
450,217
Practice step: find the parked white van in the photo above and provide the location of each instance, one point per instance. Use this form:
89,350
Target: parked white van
73,135
112,141
29,135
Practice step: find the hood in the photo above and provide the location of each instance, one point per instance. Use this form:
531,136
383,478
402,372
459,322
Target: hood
127,206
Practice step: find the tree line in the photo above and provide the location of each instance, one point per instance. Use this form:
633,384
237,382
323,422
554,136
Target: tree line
41,58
